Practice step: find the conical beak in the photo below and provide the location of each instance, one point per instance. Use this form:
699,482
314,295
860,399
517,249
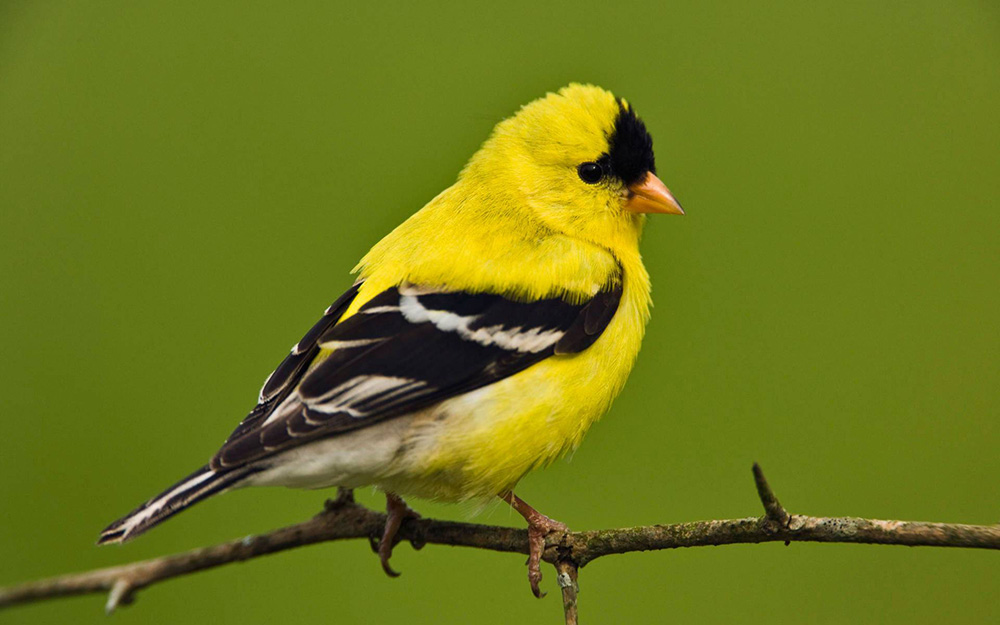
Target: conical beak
650,195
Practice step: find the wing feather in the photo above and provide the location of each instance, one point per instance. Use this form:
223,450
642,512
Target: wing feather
284,377
405,349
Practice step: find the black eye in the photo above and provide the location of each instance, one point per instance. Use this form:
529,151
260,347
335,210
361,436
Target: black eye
591,173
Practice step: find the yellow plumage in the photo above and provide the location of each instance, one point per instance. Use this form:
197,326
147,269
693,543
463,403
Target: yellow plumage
513,227
483,338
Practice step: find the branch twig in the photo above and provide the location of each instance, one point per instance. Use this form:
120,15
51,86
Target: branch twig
773,509
567,582
343,519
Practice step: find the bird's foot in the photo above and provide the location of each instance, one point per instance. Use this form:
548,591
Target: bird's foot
539,527
398,512
537,531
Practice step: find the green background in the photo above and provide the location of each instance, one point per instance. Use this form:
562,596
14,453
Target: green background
183,190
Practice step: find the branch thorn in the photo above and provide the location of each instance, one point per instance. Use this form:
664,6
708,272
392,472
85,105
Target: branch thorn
773,509
120,594
345,498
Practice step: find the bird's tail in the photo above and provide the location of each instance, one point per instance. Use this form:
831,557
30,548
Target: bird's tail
201,484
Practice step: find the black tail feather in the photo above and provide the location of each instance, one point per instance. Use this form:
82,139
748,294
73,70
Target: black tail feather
199,485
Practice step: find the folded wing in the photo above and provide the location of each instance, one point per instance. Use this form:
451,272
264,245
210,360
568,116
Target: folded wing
406,349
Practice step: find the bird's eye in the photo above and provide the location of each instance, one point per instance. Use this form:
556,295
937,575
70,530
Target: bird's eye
589,172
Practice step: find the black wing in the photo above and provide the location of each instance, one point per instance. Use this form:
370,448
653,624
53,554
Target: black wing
283,379
406,349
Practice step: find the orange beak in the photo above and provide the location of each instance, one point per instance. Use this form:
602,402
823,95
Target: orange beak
650,195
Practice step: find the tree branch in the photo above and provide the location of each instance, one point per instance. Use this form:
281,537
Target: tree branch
344,519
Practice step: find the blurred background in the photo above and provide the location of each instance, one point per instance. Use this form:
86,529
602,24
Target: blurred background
184,188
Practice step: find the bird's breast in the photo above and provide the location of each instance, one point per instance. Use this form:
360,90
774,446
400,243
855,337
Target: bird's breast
483,442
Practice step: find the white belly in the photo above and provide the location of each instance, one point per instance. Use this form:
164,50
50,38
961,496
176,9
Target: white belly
350,460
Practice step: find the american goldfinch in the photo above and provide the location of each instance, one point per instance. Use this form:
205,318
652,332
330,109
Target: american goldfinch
482,337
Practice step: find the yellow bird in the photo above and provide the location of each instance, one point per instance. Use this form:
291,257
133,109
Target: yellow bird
482,337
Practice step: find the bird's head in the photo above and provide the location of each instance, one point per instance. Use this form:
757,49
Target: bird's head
580,160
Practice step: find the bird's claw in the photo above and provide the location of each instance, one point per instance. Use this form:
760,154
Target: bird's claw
539,526
384,553
538,529
398,512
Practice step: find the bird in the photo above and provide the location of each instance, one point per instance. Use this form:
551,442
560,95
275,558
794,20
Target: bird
481,338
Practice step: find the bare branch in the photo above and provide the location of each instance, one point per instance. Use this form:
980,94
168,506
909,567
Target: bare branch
344,519
567,580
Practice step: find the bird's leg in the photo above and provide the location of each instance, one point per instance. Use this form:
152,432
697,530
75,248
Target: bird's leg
539,526
398,512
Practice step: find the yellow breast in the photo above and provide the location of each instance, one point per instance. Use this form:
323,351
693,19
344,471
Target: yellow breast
482,443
